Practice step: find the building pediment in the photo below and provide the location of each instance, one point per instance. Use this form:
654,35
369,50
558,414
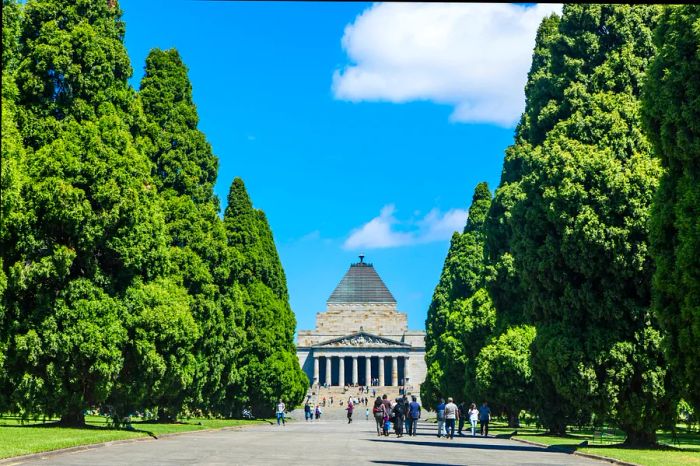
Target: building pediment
361,339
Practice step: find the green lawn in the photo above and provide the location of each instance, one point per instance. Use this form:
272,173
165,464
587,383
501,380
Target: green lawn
685,453
32,437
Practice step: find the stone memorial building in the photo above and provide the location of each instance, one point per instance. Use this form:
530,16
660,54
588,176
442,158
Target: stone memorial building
362,337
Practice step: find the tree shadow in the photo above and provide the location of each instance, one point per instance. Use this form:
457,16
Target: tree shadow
480,446
412,463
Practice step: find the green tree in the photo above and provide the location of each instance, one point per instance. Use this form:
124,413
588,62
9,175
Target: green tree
93,225
503,371
269,368
580,228
461,316
672,110
184,168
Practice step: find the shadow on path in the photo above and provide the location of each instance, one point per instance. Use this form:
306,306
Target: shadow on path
481,446
413,463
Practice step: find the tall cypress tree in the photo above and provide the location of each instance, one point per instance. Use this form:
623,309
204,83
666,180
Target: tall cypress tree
580,228
184,168
269,367
93,226
672,110
461,316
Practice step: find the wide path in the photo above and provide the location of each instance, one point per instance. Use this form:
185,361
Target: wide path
318,443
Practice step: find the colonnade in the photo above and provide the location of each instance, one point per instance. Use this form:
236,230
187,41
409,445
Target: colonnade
381,360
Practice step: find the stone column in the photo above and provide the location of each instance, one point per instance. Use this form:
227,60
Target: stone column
354,370
394,371
406,379
381,371
341,371
328,371
368,370
315,369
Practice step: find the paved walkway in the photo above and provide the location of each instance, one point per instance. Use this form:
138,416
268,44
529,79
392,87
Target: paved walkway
318,443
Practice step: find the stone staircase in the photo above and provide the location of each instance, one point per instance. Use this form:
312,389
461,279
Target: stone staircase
340,396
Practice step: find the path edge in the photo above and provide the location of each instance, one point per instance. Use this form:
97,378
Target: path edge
91,446
573,452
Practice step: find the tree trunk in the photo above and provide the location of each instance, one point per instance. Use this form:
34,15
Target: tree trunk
166,416
557,429
640,438
513,420
73,419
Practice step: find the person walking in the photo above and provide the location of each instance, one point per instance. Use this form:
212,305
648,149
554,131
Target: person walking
307,412
318,412
378,411
399,414
414,410
440,409
462,417
484,418
280,412
451,415
350,407
407,414
473,417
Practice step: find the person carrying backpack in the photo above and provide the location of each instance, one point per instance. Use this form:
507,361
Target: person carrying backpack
399,415
378,412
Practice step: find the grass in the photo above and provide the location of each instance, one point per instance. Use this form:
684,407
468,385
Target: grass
686,452
17,438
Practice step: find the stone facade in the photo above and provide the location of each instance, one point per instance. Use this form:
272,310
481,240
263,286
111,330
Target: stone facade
361,337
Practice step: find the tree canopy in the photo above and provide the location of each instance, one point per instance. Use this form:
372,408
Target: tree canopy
121,287
672,111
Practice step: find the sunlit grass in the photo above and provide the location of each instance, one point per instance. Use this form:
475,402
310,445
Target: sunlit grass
17,438
681,451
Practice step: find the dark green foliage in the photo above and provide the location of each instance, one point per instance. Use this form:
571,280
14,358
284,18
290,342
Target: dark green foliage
184,168
580,227
672,111
11,22
503,371
461,316
269,366
118,286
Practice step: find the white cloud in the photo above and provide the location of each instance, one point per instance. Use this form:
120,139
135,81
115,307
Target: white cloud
474,57
386,231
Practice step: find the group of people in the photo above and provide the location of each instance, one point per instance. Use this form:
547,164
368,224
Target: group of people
401,413
310,412
449,413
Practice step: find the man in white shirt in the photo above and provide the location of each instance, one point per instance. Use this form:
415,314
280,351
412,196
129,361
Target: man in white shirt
451,415
280,412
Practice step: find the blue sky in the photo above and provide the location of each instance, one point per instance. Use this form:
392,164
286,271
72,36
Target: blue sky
356,127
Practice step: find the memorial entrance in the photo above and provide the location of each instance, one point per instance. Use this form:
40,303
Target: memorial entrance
361,338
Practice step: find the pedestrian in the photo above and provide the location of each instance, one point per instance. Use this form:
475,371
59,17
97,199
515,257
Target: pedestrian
280,412
378,411
399,414
349,409
331,401
414,410
406,414
367,414
440,409
451,415
307,412
484,418
318,412
462,417
473,417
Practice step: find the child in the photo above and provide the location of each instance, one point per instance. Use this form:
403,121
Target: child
367,413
